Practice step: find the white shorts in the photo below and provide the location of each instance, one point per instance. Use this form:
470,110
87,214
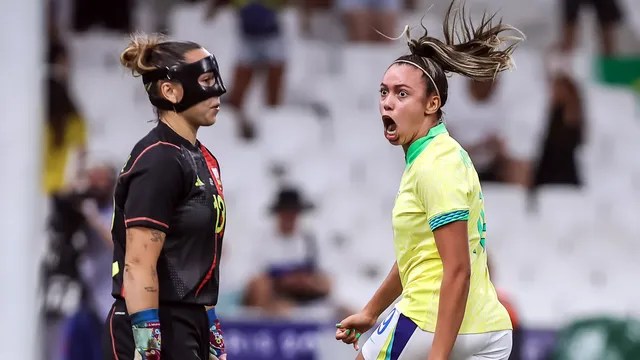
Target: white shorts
261,50
399,338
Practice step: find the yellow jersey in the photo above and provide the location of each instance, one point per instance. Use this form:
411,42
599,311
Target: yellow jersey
58,159
440,186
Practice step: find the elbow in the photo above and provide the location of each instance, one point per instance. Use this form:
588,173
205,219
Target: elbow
132,261
136,268
459,273
137,262
131,267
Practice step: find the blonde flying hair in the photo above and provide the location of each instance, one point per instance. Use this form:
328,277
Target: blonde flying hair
476,52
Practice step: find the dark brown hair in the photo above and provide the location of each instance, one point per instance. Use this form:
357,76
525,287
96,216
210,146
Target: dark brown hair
476,54
148,52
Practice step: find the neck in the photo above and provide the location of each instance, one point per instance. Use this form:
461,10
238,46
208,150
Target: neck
181,126
286,231
422,132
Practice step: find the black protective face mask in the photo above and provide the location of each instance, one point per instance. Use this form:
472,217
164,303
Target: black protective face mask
187,75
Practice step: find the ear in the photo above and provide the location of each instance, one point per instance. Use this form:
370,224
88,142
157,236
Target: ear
171,91
433,105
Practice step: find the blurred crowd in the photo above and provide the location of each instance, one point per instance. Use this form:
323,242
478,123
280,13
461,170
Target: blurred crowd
288,274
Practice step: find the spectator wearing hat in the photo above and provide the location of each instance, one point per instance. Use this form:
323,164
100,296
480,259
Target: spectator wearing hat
286,261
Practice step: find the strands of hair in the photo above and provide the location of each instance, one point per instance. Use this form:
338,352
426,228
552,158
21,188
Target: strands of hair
479,53
136,56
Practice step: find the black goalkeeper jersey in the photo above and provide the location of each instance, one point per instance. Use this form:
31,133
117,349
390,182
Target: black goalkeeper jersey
168,184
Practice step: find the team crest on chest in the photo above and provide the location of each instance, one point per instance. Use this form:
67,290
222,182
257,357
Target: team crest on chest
216,174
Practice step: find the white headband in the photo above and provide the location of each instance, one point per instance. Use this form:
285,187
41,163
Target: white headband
424,71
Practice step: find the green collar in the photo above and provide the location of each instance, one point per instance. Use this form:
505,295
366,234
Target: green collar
416,148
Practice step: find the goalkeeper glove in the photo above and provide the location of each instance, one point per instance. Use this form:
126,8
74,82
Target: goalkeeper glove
216,341
146,334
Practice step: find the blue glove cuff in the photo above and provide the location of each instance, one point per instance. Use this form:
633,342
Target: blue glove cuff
211,314
145,316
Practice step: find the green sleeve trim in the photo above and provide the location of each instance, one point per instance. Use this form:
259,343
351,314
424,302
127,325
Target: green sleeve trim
447,218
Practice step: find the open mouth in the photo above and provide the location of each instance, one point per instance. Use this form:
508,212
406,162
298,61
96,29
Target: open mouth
390,128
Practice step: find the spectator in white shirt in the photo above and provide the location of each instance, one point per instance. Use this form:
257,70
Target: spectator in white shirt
475,120
287,262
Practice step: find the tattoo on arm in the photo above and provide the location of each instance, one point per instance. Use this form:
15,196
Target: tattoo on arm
138,259
157,236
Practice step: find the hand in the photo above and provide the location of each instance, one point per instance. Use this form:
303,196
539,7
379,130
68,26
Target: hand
147,339
148,355
90,210
350,329
216,340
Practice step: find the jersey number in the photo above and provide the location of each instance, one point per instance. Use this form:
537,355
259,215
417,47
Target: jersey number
221,212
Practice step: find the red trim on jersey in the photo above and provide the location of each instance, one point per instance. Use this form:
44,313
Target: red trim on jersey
142,218
211,164
113,339
147,149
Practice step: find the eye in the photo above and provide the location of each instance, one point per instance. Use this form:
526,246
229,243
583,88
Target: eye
208,81
403,93
384,92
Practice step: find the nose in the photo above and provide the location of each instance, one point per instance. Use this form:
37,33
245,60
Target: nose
387,103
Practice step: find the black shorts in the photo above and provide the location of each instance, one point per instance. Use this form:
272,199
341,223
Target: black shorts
608,11
185,333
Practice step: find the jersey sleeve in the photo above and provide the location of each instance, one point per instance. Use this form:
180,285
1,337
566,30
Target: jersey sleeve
444,188
155,186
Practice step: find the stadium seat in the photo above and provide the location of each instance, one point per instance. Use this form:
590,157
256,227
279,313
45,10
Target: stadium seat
562,211
505,212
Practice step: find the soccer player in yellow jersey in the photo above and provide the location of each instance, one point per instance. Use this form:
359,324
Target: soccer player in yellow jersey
448,308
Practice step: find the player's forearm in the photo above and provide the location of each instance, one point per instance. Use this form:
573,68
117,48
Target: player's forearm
386,294
140,286
140,280
454,291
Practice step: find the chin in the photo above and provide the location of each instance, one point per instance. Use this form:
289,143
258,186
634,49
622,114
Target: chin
209,122
397,142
